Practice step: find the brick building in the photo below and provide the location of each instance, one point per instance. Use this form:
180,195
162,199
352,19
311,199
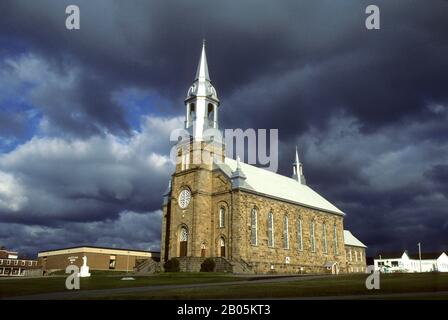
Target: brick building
251,219
12,266
98,258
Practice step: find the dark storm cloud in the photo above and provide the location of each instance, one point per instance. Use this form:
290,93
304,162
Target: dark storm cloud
367,108
52,180
294,53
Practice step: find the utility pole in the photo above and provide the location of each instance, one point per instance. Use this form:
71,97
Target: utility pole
420,255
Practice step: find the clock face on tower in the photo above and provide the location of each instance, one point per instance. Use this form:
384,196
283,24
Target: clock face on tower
184,198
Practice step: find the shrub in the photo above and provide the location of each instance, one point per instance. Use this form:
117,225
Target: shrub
172,265
208,265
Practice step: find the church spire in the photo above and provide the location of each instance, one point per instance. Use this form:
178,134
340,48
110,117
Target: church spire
202,101
298,169
202,71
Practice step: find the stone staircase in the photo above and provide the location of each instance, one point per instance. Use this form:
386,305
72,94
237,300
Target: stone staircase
222,265
193,264
241,266
150,265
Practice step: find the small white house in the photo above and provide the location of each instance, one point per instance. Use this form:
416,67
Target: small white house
411,263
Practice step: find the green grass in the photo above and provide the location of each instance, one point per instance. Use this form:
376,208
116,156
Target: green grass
331,286
344,285
16,286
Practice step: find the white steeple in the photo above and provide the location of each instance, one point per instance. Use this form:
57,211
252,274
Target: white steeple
298,169
202,101
202,71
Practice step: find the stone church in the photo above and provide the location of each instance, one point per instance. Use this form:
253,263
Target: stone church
250,220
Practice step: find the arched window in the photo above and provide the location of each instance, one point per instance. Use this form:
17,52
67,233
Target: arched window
183,234
192,111
271,242
335,239
210,111
253,227
299,235
312,238
222,217
285,232
324,237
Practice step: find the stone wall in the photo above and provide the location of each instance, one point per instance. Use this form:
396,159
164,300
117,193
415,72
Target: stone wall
356,259
265,258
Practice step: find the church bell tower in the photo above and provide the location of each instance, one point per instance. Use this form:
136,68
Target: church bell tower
202,102
188,205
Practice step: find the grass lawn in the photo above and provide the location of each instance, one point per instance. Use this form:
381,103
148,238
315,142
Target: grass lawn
343,285
105,280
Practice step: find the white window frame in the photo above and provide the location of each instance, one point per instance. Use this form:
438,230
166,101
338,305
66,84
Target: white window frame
285,232
271,230
335,239
312,237
222,217
300,235
254,227
324,237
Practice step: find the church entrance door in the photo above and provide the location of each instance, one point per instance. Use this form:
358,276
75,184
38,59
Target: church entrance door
203,250
183,249
223,247
183,242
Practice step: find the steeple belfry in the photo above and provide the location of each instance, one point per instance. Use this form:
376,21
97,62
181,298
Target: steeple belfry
298,170
202,101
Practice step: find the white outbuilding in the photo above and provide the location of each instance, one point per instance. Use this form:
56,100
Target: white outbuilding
430,262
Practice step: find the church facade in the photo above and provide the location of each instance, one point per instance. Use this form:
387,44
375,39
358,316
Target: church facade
247,218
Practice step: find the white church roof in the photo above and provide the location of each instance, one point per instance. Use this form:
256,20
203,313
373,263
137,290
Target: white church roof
272,184
350,240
